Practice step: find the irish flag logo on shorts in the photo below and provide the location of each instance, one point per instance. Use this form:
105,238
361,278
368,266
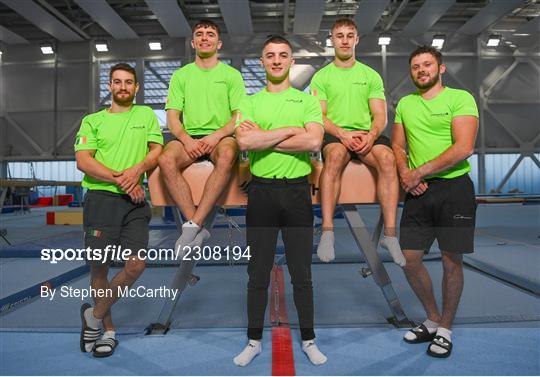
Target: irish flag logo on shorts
96,233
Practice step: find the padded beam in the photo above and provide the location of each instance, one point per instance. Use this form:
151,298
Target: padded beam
358,184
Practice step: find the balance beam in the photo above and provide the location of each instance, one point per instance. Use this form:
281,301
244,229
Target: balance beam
357,187
35,182
358,184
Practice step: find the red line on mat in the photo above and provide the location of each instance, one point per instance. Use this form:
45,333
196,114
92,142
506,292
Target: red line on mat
282,353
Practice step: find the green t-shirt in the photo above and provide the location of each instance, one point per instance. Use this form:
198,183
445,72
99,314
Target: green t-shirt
206,97
289,108
119,139
428,126
347,92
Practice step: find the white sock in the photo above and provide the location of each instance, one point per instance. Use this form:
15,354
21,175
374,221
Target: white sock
201,238
441,331
313,353
392,245
430,325
106,334
189,232
91,321
325,250
245,357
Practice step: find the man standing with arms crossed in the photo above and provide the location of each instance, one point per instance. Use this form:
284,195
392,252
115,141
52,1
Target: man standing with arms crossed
207,94
439,125
279,126
115,147
354,115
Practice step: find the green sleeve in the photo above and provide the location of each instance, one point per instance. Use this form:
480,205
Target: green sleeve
237,91
175,97
464,104
154,132
376,86
313,111
317,89
244,110
398,119
86,137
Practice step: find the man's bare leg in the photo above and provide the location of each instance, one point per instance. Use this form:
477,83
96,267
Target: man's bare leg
133,268
382,159
172,162
224,156
336,157
100,314
418,277
420,282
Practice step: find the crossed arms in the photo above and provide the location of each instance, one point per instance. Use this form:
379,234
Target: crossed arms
250,136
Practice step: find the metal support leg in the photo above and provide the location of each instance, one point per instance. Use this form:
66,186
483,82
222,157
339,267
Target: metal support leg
367,246
3,232
182,277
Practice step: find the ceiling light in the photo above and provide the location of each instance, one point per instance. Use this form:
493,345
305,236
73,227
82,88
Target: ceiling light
521,34
384,39
438,41
154,44
47,49
494,40
101,46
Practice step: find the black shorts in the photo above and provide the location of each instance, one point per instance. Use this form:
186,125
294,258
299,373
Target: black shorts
329,139
204,157
446,212
113,219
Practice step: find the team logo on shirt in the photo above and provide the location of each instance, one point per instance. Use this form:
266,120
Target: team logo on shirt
359,83
440,114
294,100
220,82
137,127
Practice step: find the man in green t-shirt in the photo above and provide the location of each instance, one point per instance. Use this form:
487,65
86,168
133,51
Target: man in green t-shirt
279,126
439,125
114,148
354,114
207,94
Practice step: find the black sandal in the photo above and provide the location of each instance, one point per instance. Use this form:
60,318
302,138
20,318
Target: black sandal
442,342
111,343
89,335
422,335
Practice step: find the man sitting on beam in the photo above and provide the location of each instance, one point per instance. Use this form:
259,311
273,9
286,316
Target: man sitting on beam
207,94
354,115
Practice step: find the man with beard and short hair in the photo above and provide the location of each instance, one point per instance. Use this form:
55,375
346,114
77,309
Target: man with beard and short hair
207,94
439,125
354,113
279,126
114,148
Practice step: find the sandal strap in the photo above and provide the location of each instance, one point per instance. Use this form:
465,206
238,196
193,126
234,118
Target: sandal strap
420,329
442,342
107,342
91,335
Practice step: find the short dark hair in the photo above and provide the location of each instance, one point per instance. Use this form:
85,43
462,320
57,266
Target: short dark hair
123,67
425,49
344,21
205,22
276,39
